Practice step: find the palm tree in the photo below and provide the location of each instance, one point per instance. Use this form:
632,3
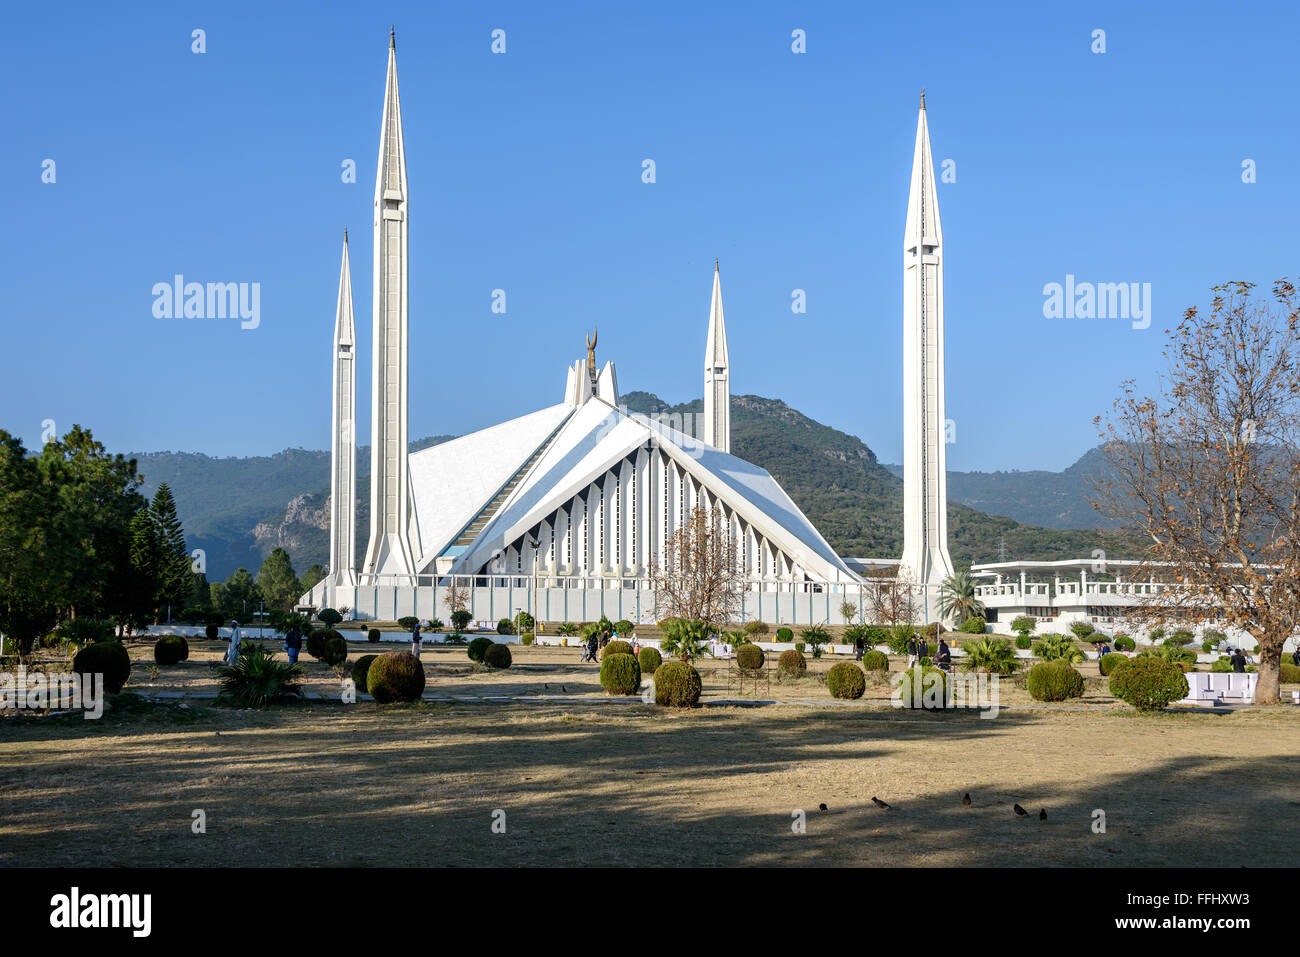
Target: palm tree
994,655
957,599
1058,648
685,638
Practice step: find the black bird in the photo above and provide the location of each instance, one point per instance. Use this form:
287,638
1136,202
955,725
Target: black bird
965,801
1042,815
821,807
1020,812
564,689
880,804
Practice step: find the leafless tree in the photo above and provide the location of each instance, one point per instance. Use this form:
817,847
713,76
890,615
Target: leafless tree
1206,472
891,596
698,574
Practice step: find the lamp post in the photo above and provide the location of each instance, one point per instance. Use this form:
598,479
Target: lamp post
533,543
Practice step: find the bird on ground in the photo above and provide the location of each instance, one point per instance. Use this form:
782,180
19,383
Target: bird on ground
965,800
821,807
1042,815
564,689
1020,812
880,804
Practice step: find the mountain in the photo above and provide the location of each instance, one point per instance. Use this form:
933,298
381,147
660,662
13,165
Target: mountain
1050,499
238,509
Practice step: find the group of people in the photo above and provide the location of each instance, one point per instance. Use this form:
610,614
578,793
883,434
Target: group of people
598,639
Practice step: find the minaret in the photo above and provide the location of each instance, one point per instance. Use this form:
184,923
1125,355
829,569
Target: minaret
925,481
389,551
717,376
343,448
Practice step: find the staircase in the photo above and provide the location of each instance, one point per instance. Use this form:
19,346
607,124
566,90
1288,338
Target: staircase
480,521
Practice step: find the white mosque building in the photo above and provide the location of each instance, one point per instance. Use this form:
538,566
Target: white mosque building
562,511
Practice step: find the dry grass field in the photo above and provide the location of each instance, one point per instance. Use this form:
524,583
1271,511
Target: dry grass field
579,783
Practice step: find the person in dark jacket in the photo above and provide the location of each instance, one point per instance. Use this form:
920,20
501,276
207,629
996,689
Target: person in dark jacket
293,643
1238,661
859,643
593,644
1295,656
943,658
416,638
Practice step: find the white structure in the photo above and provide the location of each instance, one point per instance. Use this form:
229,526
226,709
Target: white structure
717,376
925,482
343,445
390,551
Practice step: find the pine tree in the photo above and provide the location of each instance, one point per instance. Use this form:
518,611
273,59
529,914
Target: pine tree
176,579
276,581
139,592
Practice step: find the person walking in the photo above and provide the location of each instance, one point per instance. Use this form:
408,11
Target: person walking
293,644
415,640
912,655
1238,661
236,639
859,643
593,643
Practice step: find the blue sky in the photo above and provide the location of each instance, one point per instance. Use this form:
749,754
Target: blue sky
525,173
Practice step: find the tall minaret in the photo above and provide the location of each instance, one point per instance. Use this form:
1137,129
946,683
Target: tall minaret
343,448
389,551
925,481
717,376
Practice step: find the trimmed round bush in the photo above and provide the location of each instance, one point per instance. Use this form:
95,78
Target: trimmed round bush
650,660
395,676
792,663
314,642
923,686
108,658
974,625
360,671
505,627
846,680
623,627
1024,642
1054,681
754,628
620,674
1107,663
750,657
527,638
477,648
212,631
677,685
372,635
875,660
1149,683
498,656
329,616
784,634
407,623
1290,674
616,647
335,651
1125,643
169,649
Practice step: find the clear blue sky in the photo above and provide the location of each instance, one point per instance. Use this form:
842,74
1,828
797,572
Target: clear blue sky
525,173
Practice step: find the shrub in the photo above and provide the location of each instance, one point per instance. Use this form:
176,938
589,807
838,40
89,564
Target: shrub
750,657
85,631
752,628
1290,674
1106,664
459,619
478,648
407,622
784,634
1207,647
678,685
523,622
853,632
623,627
566,628
1213,636
931,689
792,663
1023,625
799,646
994,655
1023,642
1082,629
329,616
395,676
169,649
927,660
1054,680
527,638
875,660
498,656
314,642
816,636
372,635
620,673
257,679
1058,648
616,647
1149,682
505,627
1174,653
1221,664
211,631
846,680
650,660
335,651
1182,637
1124,643
108,658
974,625
360,671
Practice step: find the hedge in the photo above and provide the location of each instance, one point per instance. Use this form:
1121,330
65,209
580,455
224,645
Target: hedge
498,656
846,680
1054,681
335,651
650,660
395,676
677,685
372,635
616,647
620,673
750,657
875,660
169,649
108,658
792,663
1106,663
1149,683
360,669
784,635
478,648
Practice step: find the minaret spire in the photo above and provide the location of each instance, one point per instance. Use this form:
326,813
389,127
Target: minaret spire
717,374
389,551
343,445
925,482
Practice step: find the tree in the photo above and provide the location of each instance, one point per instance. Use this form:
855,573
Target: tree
1206,471
312,577
994,655
276,582
957,599
456,598
237,596
135,599
28,606
176,577
893,598
1082,629
848,611
698,574
686,638
1024,624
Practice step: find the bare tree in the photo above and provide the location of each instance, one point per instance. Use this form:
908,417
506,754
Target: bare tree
698,574
455,596
891,596
1206,472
